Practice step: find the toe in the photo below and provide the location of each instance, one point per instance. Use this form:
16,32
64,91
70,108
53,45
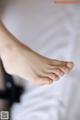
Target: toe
48,79
53,76
58,62
44,80
70,65
58,71
65,69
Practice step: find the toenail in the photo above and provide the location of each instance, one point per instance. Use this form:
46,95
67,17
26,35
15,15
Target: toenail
56,77
67,69
62,73
70,64
50,81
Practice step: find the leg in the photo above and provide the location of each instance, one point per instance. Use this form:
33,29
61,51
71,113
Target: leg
20,60
4,104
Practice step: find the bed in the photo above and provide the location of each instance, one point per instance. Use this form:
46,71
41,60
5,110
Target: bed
52,30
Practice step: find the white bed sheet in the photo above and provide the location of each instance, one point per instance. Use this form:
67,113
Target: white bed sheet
53,31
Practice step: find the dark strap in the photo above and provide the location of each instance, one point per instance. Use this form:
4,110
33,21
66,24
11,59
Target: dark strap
12,92
4,95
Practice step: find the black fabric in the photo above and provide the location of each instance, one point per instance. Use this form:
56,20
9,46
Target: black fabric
12,92
4,95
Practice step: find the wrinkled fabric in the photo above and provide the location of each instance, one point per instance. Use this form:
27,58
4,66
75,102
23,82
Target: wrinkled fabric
52,30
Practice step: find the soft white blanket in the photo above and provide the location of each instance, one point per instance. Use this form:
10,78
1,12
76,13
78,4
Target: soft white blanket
53,31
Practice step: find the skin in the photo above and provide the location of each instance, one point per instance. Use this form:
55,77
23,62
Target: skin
4,104
21,60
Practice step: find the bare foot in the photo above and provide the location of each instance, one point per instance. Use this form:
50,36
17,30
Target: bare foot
22,61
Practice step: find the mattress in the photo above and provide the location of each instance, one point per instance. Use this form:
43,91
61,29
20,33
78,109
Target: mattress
52,30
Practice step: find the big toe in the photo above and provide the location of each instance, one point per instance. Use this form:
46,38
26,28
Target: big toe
70,65
66,68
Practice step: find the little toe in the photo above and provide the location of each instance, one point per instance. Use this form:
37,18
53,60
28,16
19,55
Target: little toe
44,80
